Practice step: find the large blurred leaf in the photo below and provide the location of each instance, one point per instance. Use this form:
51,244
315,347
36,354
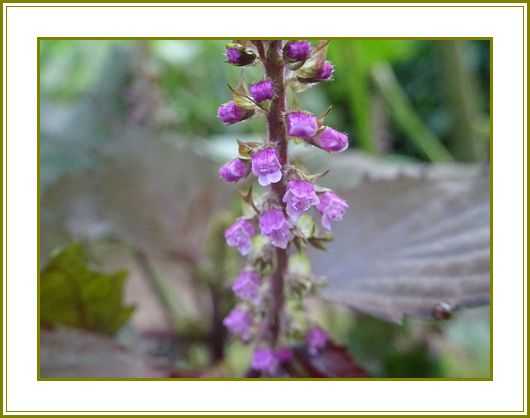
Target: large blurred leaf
415,240
75,295
74,353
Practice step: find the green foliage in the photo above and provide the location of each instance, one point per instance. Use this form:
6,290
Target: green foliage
405,117
73,294
70,67
355,59
391,350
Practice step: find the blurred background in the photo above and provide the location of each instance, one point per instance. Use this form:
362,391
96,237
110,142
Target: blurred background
134,272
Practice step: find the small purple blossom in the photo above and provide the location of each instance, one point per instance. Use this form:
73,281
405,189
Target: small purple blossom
239,235
234,170
246,286
239,56
264,360
332,208
316,339
325,72
266,166
302,124
275,226
300,196
239,322
229,113
331,140
297,50
262,90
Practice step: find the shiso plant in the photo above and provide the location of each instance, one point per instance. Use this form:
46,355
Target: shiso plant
278,224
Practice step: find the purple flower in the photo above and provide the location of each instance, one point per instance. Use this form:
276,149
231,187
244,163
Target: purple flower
247,284
234,170
300,196
239,322
239,235
239,56
325,71
274,226
264,360
262,90
266,166
229,113
331,140
302,124
297,50
331,207
316,339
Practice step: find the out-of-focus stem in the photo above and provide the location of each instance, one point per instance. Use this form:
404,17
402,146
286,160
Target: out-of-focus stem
158,288
274,69
405,117
467,142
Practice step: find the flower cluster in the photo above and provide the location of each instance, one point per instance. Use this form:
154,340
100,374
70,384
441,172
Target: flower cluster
288,194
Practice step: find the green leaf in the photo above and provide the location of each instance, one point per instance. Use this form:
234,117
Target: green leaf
72,294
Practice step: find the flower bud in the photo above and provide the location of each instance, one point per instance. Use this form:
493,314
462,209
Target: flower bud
325,71
239,235
266,166
247,285
331,140
234,170
332,208
315,72
229,113
275,227
299,197
239,322
264,359
296,51
261,90
237,54
302,125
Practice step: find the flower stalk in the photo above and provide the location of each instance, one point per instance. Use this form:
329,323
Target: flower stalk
263,287
274,70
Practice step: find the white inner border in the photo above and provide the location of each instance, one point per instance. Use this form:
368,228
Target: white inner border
508,27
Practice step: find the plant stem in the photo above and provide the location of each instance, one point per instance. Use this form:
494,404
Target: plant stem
275,71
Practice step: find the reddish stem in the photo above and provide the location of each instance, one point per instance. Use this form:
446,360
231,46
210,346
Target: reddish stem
274,69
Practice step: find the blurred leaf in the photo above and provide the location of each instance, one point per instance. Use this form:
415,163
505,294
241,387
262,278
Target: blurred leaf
73,294
392,350
411,242
74,353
